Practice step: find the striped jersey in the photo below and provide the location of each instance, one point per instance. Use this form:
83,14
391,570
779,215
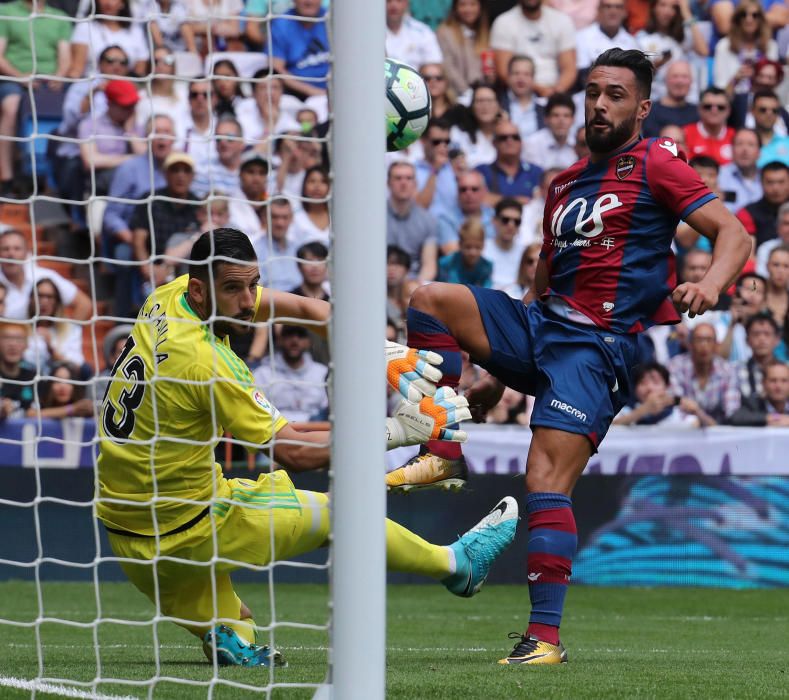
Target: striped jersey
174,390
607,233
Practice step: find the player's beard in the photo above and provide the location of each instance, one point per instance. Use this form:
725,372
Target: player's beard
617,136
223,328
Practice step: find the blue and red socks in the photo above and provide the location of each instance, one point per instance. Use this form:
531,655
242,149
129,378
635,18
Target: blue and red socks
553,539
426,332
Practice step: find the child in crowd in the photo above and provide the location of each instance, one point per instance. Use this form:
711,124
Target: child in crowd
467,266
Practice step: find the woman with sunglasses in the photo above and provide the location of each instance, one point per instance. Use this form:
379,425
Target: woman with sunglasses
749,40
113,26
442,97
464,40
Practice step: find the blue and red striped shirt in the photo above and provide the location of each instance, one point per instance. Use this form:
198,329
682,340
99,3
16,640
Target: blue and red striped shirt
607,232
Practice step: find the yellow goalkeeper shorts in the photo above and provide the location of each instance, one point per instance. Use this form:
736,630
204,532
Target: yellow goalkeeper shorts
255,522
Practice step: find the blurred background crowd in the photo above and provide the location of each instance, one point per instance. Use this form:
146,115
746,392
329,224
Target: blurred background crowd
127,127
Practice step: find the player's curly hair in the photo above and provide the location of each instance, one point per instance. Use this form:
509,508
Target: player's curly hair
220,246
634,60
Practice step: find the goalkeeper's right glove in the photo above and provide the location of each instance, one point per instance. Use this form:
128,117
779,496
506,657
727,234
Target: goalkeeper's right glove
412,372
414,424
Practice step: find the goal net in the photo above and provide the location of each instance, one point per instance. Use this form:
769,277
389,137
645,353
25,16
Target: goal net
150,122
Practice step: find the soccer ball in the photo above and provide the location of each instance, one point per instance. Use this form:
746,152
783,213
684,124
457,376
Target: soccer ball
407,105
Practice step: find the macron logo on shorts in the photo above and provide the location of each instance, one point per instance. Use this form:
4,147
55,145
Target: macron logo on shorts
567,408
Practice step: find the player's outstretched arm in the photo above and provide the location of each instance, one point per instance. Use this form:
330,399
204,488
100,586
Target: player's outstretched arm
415,424
284,305
412,372
731,247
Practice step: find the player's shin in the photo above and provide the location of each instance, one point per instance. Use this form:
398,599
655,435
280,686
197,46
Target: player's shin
552,543
426,332
409,553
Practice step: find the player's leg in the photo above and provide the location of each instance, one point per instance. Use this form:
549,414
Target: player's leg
448,318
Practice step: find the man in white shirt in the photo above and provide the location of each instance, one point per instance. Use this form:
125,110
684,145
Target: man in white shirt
740,181
503,250
19,275
546,36
553,146
198,134
519,100
276,254
245,214
607,33
407,39
220,174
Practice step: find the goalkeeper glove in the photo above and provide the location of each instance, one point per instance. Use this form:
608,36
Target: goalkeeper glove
414,424
412,372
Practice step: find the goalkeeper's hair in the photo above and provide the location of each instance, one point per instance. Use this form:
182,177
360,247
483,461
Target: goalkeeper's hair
219,247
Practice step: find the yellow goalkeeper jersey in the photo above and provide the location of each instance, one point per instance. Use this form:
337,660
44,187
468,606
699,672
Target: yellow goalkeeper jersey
175,389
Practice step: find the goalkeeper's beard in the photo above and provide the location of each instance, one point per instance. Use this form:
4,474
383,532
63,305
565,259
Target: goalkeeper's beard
223,328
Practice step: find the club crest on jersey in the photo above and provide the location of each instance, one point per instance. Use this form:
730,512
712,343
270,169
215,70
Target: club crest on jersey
624,166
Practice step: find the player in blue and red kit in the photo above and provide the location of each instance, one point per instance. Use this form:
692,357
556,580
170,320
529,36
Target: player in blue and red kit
606,272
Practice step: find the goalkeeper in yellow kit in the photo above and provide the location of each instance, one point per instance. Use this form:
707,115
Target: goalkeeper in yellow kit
177,524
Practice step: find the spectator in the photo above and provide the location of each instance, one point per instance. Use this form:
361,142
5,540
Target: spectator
606,33
518,98
776,150
750,298
314,272
672,107
169,26
581,12
212,214
710,136
198,125
670,35
312,222
531,226
3,294
655,405
526,272
81,98
765,110
749,40
226,85
112,347
676,134
470,203
435,178
293,379
52,337
111,138
262,116
508,176
62,397
215,24
762,335
474,131
722,12
503,250
543,34
221,173
767,75
466,265
161,96
276,254
777,299
782,230
247,214
18,274
133,180
513,408
398,263
740,180
296,156
552,146
581,148
300,48
171,210
464,38
111,26
407,39
25,47
409,226
706,378
442,97
759,218
16,377
770,407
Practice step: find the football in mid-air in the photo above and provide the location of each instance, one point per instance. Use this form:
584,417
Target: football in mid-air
407,105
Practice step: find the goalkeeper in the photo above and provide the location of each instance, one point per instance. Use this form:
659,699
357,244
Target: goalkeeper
176,388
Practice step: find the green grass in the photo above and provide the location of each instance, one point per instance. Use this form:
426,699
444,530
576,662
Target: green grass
623,643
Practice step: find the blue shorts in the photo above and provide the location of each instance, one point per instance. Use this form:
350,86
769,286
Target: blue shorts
580,376
8,88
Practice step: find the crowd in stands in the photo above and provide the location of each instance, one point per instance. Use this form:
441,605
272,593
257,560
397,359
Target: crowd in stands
170,117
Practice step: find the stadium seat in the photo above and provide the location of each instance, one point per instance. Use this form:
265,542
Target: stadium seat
37,144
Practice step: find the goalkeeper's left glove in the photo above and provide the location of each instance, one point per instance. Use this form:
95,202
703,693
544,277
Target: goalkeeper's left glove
412,372
414,424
